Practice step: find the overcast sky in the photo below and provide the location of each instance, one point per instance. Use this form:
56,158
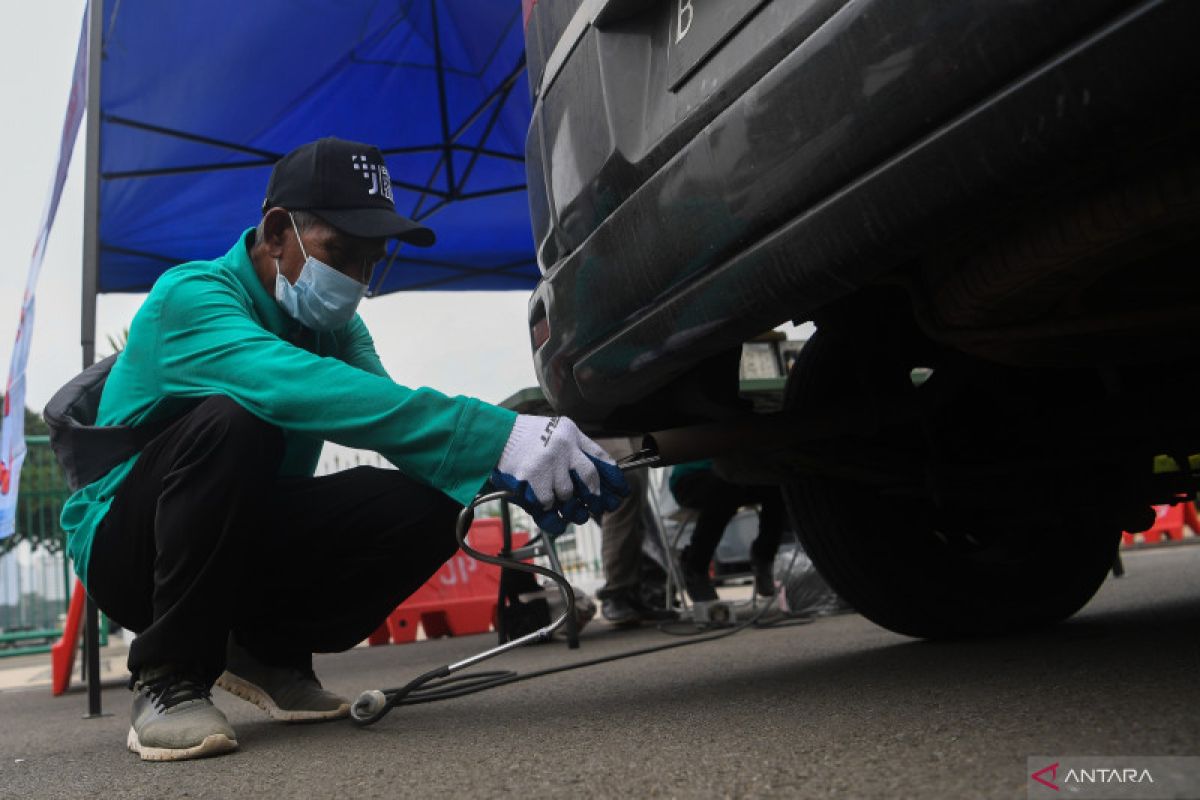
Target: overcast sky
472,343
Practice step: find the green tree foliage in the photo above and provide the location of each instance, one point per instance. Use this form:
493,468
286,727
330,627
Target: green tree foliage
118,341
34,424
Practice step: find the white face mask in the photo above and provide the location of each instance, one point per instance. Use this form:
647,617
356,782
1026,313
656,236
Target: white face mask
321,298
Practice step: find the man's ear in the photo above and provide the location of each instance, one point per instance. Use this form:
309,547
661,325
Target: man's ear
277,229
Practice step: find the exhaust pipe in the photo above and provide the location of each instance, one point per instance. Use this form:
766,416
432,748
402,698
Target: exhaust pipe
758,432
770,448
715,439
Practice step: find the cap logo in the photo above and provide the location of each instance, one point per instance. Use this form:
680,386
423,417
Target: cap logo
374,174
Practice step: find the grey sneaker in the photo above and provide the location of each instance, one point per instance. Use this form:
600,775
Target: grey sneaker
174,719
290,694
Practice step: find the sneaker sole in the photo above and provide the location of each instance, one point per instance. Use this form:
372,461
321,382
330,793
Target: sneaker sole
213,745
244,689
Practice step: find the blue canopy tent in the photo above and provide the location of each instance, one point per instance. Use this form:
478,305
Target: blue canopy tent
189,103
198,99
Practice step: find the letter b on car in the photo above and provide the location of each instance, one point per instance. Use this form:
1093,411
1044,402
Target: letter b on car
684,22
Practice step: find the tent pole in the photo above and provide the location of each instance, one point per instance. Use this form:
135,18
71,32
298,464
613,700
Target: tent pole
91,265
443,106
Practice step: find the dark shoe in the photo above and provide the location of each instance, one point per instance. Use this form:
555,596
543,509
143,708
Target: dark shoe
697,583
290,694
620,612
627,608
650,611
174,719
764,576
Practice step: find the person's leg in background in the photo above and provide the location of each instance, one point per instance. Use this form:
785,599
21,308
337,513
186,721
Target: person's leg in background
716,501
771,522
621,552
622,532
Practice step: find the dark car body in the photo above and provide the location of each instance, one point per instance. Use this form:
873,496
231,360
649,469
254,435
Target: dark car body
703,170
989,208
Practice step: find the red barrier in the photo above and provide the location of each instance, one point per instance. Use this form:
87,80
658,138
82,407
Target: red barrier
1169,522
459,599
62,652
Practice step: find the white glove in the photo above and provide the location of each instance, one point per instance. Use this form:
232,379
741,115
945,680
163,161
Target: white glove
557,474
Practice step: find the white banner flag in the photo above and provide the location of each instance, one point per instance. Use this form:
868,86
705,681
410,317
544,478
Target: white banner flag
12,427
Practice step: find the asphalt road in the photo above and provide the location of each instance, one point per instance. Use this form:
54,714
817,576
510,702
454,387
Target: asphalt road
837,708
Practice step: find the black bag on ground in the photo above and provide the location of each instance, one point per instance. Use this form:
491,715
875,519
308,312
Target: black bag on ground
85,450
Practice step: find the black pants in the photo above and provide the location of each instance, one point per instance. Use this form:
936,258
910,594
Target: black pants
203,539
718,500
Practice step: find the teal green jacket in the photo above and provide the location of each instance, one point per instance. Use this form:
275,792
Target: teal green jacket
210,328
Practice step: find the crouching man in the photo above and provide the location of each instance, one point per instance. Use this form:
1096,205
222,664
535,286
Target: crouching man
215,543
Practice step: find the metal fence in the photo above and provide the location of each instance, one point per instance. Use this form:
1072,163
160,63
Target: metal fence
35,577
579,552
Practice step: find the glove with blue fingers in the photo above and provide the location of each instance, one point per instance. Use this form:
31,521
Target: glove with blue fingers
557,474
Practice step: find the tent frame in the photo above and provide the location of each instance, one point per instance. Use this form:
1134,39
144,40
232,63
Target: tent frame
450,190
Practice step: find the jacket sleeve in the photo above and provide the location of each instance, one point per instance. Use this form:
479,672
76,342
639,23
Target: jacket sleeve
209,344
358,350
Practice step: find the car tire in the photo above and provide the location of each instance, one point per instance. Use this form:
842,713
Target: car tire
887,556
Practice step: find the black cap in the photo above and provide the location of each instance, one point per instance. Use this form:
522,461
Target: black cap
347,185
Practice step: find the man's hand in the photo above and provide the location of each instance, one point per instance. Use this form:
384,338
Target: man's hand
557,474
